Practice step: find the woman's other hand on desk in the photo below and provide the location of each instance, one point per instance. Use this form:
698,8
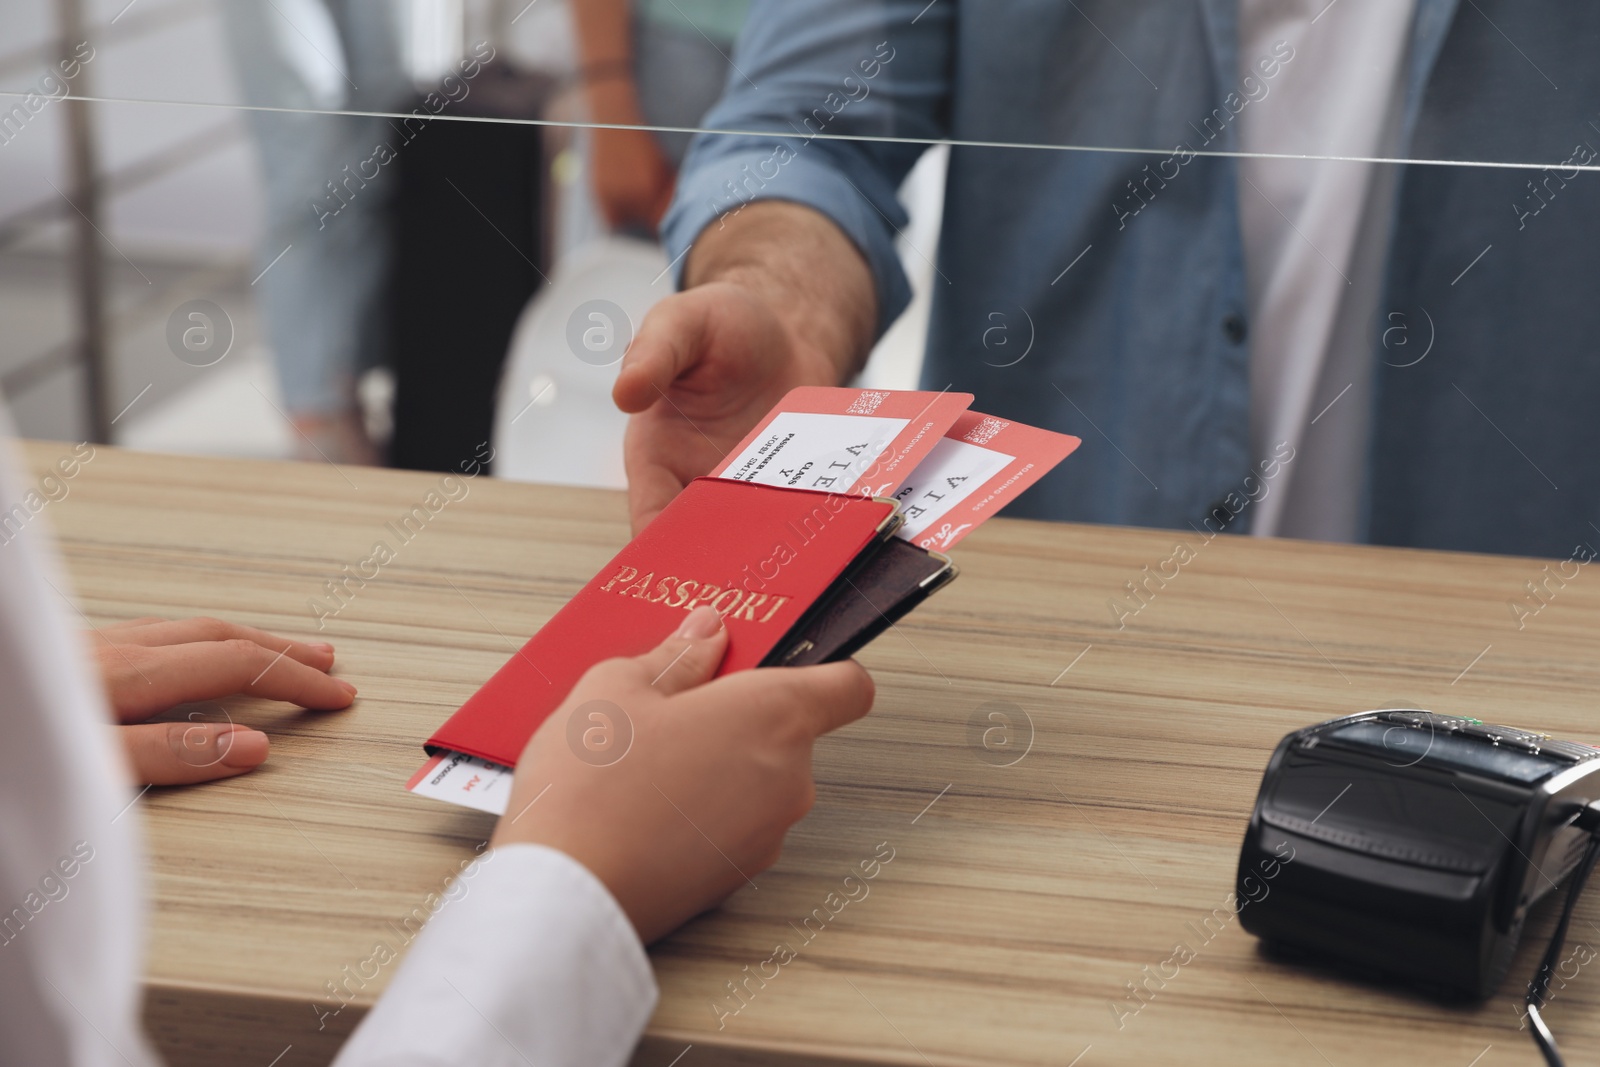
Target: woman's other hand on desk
713,775
152,665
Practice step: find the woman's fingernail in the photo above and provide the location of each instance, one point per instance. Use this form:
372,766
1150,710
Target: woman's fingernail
321,646
348,688
243,747
702,622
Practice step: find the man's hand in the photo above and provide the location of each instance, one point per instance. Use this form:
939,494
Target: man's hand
152,665
713,775
707,364
778,297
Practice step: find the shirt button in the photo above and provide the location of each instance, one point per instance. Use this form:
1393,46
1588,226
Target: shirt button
1233,328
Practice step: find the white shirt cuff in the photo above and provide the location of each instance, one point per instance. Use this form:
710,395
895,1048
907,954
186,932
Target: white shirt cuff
533,961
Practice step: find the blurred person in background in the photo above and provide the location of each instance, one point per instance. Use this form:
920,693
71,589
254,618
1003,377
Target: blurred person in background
328,245
649,63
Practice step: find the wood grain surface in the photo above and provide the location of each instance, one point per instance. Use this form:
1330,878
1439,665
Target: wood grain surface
1036,871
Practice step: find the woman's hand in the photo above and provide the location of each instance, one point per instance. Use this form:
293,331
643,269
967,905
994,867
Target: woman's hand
152,665
673,790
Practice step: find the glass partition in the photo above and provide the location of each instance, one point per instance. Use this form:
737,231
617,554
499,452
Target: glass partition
1239,236
1470,81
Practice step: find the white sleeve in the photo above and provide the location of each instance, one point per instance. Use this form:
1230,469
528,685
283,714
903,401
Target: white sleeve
533,963
71,879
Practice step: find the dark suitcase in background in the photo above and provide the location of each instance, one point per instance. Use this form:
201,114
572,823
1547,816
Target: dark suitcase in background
471,251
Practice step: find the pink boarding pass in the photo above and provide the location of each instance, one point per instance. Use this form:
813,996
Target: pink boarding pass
977,468
839,440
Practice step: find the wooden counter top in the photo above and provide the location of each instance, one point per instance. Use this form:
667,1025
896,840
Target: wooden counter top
1031,880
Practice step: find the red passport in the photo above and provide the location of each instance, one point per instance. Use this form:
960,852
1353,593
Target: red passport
761,555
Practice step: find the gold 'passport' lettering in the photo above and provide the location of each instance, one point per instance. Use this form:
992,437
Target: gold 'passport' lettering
689,593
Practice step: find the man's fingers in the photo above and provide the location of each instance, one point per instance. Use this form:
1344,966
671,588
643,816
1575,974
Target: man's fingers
690,656
179,753
652,483
186,631
669,342
643,513
651,487
146,680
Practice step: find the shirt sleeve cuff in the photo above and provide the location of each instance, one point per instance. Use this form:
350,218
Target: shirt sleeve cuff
722,177
532,962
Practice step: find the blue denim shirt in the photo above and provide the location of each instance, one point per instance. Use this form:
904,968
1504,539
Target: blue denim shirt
1121,272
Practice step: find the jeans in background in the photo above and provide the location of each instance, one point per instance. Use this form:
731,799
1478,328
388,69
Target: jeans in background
323,301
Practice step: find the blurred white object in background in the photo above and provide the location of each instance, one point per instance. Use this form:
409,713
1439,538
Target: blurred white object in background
308,40
233,410
555,421
896,360
538,35
433,40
